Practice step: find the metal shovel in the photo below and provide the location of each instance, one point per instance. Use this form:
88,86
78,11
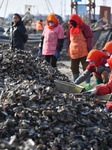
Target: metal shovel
78,90
68,87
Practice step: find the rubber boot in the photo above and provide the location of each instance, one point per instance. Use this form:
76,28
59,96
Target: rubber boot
88,80
98,81
104,82
75,76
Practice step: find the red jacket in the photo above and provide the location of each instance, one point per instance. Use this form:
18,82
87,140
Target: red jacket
104,89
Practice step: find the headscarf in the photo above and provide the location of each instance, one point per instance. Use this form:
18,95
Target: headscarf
52,17
96,56
108,47
79,21
109,61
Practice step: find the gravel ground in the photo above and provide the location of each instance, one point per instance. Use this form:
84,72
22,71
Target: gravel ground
64,67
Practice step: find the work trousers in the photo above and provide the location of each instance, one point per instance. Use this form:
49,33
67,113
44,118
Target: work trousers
52,60
75,64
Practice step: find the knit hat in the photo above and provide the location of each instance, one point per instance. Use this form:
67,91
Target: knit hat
95,56
108,47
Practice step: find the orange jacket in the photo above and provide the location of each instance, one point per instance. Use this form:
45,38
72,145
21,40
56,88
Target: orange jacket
39,25
81,26
78,46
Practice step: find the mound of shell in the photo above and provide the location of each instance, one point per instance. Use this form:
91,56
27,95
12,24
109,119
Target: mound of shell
34,115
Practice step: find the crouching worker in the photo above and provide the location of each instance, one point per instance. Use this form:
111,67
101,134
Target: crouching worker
97,60
103,89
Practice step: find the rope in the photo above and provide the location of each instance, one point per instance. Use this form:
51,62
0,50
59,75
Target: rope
49,5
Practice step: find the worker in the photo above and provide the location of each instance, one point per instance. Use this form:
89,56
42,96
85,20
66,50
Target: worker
108,48
17,32
97,60
52,40
103,89
39,25
79,43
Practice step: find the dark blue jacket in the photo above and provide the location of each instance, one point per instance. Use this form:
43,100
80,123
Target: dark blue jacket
17,35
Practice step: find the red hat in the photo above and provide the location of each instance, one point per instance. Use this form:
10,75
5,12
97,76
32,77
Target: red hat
92,56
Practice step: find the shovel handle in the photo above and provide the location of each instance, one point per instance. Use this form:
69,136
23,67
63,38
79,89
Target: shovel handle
82,94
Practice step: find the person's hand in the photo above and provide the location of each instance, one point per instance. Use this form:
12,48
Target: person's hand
91,67
109,106
100,69
39,53
93,92
57,54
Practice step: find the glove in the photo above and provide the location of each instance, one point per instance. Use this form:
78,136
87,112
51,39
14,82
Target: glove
60,44
109,106
82,77
93,92
57,54
39,53
100,69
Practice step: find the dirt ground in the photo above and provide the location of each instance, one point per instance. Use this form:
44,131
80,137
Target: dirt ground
64,67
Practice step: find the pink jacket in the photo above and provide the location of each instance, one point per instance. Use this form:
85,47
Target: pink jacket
51,37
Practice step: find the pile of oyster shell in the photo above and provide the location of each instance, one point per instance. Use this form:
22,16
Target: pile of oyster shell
34,115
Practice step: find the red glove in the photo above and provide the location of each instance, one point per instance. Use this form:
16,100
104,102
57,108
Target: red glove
109,106
103,89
